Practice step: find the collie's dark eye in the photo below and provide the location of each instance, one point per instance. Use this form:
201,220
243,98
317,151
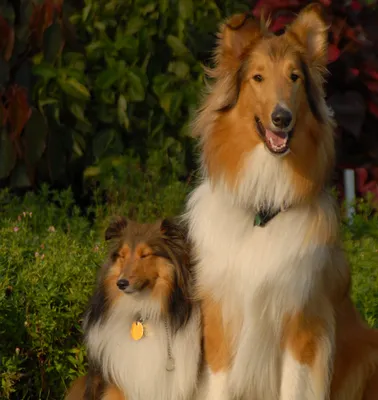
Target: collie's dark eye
294,77
258,78
146,255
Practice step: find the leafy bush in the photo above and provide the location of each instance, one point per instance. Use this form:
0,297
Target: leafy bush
100,79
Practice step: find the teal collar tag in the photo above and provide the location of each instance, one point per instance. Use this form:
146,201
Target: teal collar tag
263,217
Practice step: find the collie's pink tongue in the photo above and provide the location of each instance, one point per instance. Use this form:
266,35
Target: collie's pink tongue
276,139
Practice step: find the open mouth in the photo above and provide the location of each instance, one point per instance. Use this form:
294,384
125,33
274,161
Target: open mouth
277,142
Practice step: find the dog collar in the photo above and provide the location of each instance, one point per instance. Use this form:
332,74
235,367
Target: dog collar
262,217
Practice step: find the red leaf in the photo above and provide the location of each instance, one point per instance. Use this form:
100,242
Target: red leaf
272,5
355,71
338,26
333,53
373,108
356,6
43,16
372,86
18,110
281,22
6,38
3,114
372,72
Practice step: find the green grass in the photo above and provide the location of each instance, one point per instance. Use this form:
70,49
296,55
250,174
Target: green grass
49,254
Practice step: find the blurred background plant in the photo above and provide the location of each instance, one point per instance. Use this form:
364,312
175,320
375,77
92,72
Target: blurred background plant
96,98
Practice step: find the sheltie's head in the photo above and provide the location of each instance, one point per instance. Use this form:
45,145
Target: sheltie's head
150,263
264,126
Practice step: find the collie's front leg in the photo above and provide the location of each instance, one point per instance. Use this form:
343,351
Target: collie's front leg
308,347
217,352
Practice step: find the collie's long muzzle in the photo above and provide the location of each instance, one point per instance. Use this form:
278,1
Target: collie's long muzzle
277,139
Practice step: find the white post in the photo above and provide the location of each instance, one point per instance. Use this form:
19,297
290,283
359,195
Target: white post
350,194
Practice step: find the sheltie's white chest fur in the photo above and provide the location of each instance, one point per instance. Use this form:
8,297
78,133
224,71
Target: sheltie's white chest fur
138,368
257,274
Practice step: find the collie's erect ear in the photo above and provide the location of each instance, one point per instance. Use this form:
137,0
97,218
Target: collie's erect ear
235,38
311,30
116,227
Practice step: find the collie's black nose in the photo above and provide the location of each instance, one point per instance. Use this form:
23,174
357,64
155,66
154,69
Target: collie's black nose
123,284
281,117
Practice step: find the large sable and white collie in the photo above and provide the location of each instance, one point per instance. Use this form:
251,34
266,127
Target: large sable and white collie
270,271
142,330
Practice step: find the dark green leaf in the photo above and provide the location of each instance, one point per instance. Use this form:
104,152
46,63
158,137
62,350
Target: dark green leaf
52,42
163,5
35,137
56,154
170,102
75,61
161,84
7,154
74,88
106,79
101,142
19,177
179,68
136,88
78,111
86,11
133,25
186,9
122,112
148,8
177,46
44,70
129,46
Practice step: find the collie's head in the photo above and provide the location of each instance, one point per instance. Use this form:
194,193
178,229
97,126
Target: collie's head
266,132
149,264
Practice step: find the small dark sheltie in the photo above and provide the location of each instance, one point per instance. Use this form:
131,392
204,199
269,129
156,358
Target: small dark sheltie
142,329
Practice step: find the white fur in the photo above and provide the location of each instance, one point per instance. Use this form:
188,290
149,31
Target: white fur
213,386
139,367
294,377
259,273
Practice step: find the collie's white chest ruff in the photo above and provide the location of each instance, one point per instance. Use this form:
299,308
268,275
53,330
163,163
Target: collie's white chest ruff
257,274
138,368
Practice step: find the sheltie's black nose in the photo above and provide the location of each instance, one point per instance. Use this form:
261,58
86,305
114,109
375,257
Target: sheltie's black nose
281,117
123,284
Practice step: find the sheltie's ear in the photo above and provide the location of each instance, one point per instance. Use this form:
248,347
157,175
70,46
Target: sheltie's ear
171,228
235,39
311,30
115,228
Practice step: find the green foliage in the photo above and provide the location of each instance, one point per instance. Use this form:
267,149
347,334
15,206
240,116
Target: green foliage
50,252
100,79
